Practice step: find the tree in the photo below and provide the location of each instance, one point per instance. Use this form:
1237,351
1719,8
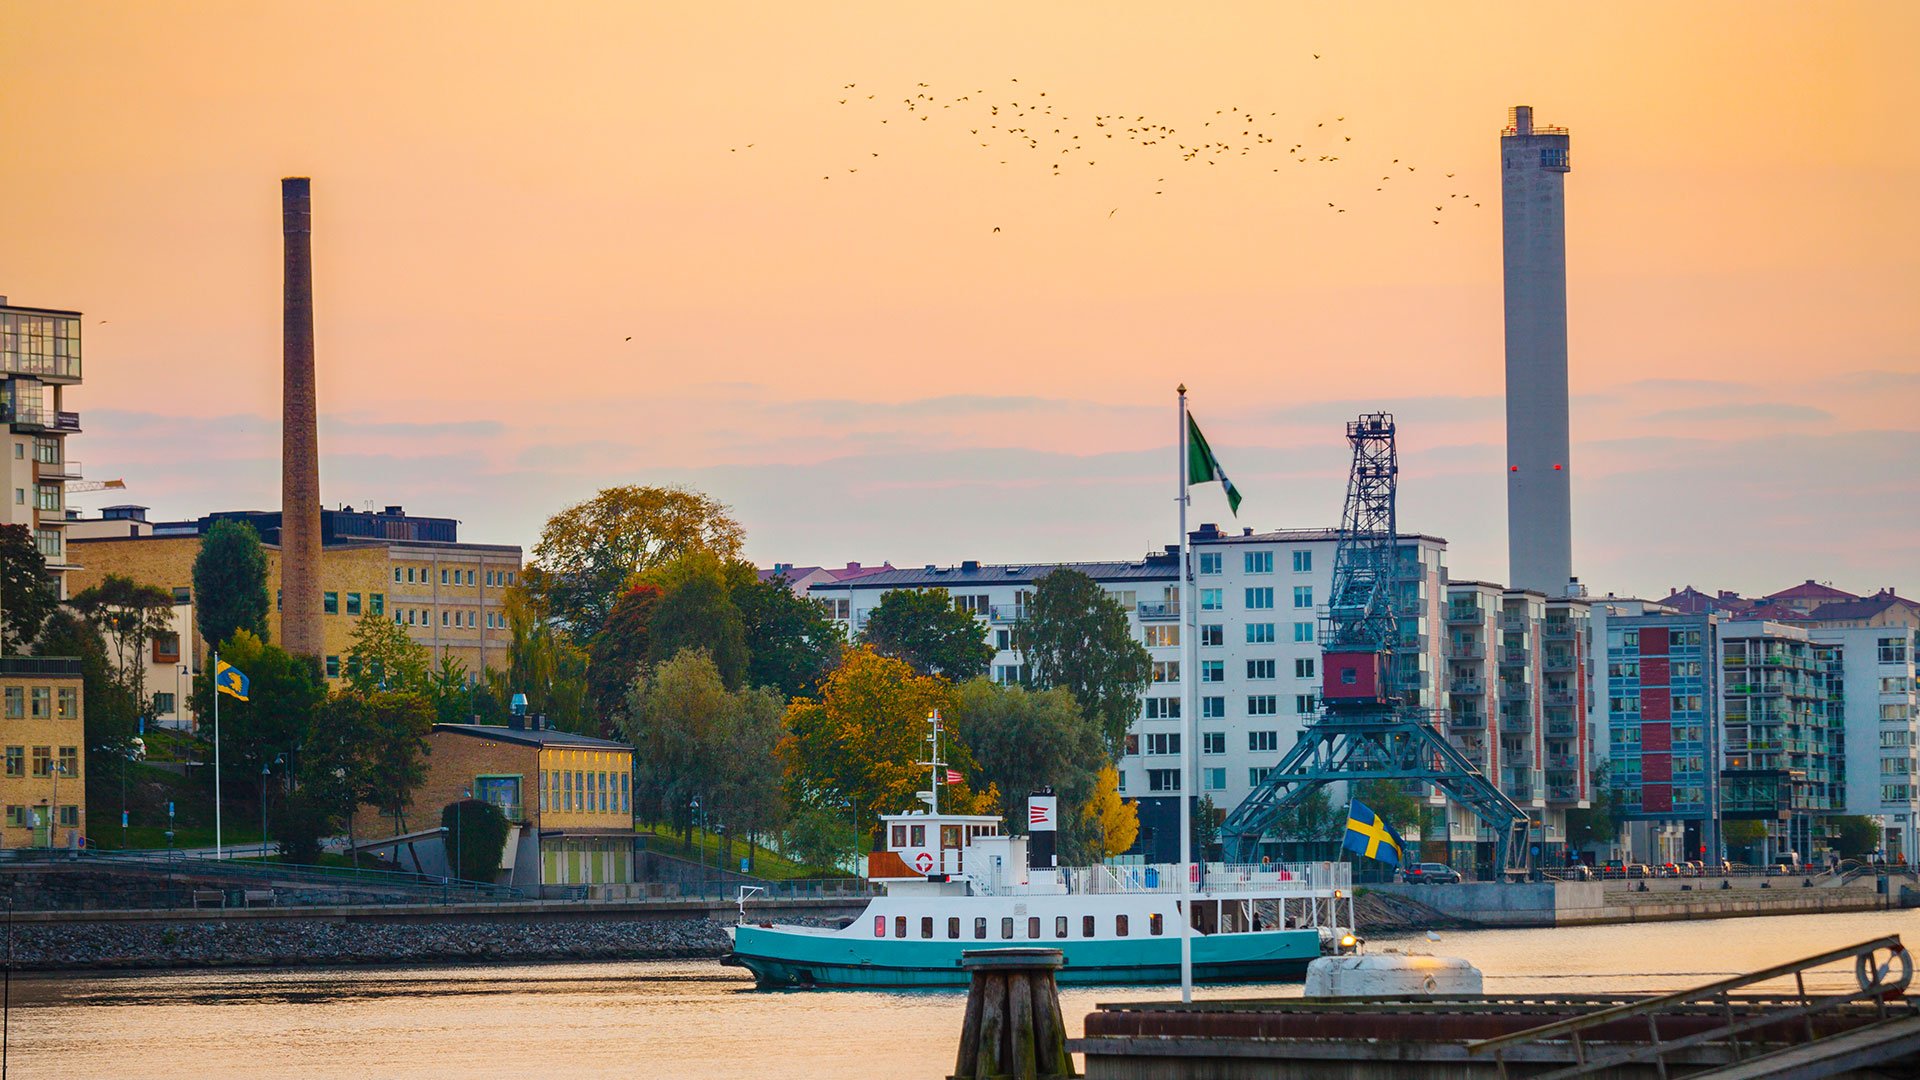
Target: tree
791,642
614,658
1076,636
230,583
110,714
543,663
1391,799
1598,824
475,832
1742,832
587,552
697,614
397,724
1853,835
678,719
383,657
751,795
335,768
129,616
1112,823
284,694
1205,820
451,690
864,738
1312,820
28,592
821,836
922,627
1025,740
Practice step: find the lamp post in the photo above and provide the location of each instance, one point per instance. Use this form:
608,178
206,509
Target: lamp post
459,851
53,810
693,820
853,831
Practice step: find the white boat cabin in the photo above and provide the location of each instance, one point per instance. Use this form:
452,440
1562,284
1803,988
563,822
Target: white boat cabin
942,852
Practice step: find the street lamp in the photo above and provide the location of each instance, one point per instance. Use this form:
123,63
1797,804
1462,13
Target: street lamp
693,815
58,769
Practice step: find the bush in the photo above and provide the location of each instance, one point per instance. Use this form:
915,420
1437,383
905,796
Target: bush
475,835
302,824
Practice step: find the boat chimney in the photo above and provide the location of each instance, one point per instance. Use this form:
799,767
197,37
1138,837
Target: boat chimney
1043,829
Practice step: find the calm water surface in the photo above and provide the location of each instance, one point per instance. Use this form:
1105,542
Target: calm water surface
701,1020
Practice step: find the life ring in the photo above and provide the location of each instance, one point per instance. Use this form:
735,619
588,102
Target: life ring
923,862
1873,974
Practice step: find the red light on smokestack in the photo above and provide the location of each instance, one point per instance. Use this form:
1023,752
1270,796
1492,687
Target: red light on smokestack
1556,468
1513,468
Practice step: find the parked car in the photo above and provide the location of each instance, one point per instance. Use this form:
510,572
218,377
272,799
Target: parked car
1430,873
1579,872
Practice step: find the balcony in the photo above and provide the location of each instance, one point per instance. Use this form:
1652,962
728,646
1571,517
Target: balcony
1513,657
1511,621
1563,793
1559,661
1165,611
1559,629
1560,698
1470,650
1515,692
1516,724
1562,729
1467,721
1467,686
58,470
1467,614
1009,613
1563,762
66,421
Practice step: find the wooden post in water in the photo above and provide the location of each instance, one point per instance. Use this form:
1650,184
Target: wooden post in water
1013,1027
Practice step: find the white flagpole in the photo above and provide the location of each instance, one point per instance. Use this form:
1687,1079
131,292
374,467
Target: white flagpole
1187,748
216,756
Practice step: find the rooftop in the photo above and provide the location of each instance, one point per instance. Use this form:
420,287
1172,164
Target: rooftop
530,737
1864,608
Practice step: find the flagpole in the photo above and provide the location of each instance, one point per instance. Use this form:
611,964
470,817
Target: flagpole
216,755
1187,749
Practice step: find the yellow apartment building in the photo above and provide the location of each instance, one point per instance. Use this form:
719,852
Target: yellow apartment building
43,781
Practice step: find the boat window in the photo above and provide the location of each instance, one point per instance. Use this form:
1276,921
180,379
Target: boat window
926,926
1155,924
1059,926
919,838
1033,927
899,926
879,926
980,927
899,837
953,927
1120,925
949,836
1006,927
1086,926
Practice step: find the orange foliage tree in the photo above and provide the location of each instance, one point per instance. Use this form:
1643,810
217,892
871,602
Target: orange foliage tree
864,739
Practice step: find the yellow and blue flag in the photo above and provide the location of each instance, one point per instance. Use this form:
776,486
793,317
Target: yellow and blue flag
1369,834
228,679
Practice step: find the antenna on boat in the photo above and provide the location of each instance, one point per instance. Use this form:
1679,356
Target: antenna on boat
932,794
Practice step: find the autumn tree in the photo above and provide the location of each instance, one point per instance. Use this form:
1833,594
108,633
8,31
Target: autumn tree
230,583
587,552
28,592
383,656
1077,637
615,656
1111,823
864,739
923,628
791,642
1024,740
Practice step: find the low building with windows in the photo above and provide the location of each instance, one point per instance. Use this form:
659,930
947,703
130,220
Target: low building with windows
568,798
43,781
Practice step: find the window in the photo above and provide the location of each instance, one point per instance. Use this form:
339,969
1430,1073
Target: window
1303,596
1213,708
411,612
43,761
333,667
68,707
926,926
69,816
1303,562
1305,704
42,698
1213,779
353,603
1303,668
1156,924
879,926
396,575
1120,926
1258,562
1262,669
16,702
1213,742
46,497
1212,634
47,542
1161,637
1210,600
1258,775
1006,928
1262,705
916,836
898,837
1554,157
443,576
980,927
330,603
953,927
1303,631
1163,779
1033,927
16,761
70,761
1163,708
1213,671
377,603
1059,926
1263,742
1259,599
1893,650
1003,640
1896,685
1086,926
1163,742
469,577
1209,562
1259,633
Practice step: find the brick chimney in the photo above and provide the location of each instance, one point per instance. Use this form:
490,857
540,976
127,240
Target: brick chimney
300,631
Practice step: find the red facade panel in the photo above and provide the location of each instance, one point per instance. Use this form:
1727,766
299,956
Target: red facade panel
1656,704
1655,671
1655,767
1653,641
1655,738
1656,797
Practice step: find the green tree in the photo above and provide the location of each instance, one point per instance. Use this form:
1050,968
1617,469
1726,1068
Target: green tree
820,836
383,657
751,794
109,716
1738,833
791,642
475,832
1395,801
614,658
1599,824
1853,835
698,614
335,766
1024,740
922,627
1076,636
678,718
451,689
544,664
1312,820
28,592
230,583
1205,819
587,553
397,724
129,617
284,694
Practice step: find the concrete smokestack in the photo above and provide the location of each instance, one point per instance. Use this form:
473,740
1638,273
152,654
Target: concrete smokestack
300,627
1533,211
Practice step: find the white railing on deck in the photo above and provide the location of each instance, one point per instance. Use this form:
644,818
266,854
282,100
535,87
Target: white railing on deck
1263,878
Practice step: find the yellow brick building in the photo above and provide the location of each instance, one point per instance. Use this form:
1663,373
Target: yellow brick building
43,778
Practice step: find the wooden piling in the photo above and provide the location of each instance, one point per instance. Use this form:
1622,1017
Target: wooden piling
1014,1029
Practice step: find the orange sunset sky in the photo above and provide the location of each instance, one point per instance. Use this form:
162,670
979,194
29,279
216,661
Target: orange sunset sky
562,246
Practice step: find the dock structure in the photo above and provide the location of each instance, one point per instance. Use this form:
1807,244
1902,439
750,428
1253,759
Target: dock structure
1721,1030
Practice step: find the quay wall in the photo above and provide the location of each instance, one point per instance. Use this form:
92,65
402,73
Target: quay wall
426,934
1593,903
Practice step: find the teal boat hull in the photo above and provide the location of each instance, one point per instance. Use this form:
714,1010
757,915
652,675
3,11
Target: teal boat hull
783,959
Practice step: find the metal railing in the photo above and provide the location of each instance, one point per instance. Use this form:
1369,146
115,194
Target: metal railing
1217,878
238,876
1156,611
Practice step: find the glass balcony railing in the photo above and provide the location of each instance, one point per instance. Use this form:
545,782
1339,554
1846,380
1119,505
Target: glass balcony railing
1157,612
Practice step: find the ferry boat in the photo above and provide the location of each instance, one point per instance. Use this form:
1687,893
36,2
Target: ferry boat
958,882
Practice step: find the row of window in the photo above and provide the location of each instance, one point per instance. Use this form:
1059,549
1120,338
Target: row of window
1215,707
1254,562
1216,779
43,761
1213,671
42,703
1255,599
467,617
1159,743
408,575
569,790
1156,926
27,817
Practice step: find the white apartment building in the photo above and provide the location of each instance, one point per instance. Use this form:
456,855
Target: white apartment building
1876,694
39,360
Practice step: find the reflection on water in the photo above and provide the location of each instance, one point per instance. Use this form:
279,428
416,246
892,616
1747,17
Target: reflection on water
699,1020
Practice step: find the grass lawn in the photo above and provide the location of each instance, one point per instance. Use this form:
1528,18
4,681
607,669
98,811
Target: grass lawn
709,848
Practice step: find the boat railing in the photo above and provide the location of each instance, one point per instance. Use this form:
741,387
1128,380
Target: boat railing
1316,877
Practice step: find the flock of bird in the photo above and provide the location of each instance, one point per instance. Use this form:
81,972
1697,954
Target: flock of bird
1021,126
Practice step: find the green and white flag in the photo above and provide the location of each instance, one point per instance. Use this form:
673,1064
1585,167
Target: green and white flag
1203,467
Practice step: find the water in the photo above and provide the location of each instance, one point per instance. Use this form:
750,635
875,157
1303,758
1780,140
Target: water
700,1020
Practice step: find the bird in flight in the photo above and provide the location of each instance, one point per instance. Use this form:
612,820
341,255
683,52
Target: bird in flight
629,337
996,228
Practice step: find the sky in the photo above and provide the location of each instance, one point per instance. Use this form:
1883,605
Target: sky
761,250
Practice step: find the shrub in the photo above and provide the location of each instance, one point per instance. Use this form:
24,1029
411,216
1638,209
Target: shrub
476,836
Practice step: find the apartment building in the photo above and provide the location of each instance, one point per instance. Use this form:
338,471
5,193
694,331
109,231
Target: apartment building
1777,748
43,784
39,361
1663,732
1873,689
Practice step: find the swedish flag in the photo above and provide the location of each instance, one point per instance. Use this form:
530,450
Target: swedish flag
228,679
1369,834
